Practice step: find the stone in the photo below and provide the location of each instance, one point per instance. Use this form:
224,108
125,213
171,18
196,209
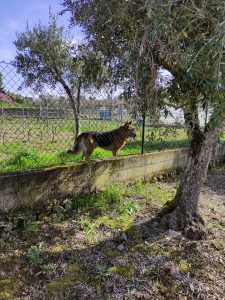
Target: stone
155,224
123,237
8,227
174,234
121,247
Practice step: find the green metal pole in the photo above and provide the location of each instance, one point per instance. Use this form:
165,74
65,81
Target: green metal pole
143,133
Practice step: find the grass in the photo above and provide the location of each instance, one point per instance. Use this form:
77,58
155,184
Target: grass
27,143
113,208
100,201
4,104
105,208
108,245
31,143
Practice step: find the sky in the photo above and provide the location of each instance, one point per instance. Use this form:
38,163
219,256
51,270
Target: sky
14,15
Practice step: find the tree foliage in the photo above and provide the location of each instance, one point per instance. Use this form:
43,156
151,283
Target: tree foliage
47,56
185,37
138,37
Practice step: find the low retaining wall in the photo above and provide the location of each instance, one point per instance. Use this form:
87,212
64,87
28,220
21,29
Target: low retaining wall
35,188
219,153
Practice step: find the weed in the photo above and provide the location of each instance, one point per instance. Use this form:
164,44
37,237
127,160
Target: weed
2,243
129,296
125,271
5,295
113,194
13,240
155,191
47,268
62,283
25,159
124,222
34,254
112,224
164,196
184,266
74,268
57,218
151,271
213,207
128,207
135,234
83,204
58,248
141,188
112,253
101,201
103,272
87,225
31,225
72,258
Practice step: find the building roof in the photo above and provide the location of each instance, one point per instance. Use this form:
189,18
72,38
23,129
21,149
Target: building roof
5,98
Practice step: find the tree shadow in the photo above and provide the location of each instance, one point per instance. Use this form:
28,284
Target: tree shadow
139,256
215,182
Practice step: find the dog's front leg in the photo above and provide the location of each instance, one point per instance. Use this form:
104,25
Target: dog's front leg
83,156
114,153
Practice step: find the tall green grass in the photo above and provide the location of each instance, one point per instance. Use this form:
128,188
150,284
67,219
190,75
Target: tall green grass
15,159
101,201
31,143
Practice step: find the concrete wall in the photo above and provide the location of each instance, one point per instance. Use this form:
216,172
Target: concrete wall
35,188
219,153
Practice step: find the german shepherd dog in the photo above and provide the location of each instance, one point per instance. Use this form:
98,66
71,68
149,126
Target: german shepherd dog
110,140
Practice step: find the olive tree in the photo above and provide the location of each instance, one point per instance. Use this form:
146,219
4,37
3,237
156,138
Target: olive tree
187,39
47,56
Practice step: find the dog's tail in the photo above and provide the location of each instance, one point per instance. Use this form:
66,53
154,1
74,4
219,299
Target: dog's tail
77,148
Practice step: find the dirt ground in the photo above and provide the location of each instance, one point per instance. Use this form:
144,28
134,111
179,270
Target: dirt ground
122,253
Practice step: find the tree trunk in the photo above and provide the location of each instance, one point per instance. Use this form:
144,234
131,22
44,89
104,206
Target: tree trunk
182,213
75,106
77,115
76,118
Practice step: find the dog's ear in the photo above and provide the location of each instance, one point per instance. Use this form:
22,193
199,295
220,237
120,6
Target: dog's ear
130,123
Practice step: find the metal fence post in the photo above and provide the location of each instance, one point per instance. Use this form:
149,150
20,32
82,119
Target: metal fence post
143,133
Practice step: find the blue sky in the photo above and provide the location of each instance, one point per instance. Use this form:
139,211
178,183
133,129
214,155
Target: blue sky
14,17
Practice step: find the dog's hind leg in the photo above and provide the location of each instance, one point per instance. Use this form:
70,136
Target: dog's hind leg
115,152
88,153
89,148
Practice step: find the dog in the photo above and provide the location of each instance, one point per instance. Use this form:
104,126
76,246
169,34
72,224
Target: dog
112,140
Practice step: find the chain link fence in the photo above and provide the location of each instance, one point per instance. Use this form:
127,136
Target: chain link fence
38,128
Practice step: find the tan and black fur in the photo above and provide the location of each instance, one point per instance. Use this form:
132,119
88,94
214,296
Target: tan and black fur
110,140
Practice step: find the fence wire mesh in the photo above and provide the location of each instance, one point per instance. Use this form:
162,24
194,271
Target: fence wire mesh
38,128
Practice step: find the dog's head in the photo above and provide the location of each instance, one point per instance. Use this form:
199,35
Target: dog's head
128,130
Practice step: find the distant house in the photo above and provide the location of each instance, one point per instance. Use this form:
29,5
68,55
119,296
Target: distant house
104,113
5,98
